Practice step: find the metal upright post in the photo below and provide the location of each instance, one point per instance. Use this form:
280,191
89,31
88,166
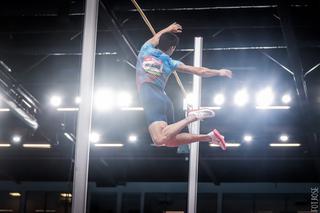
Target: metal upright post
80,180
295,63
195,129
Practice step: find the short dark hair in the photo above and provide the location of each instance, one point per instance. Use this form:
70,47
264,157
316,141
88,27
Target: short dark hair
168,40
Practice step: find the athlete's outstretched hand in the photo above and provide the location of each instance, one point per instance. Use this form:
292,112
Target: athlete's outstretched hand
175,28
225,73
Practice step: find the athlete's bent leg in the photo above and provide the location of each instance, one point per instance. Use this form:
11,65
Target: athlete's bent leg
187,138
163,134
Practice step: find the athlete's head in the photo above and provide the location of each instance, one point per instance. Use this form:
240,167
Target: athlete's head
168,43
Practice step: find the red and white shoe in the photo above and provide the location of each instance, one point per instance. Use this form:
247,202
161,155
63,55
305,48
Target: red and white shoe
201,114
217,139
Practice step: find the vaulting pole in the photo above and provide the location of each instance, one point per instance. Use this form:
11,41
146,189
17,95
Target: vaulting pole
195,129
80,179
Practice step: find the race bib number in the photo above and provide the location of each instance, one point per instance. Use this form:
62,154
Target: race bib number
152,65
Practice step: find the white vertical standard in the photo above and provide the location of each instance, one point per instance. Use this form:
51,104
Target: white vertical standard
80,179
195,129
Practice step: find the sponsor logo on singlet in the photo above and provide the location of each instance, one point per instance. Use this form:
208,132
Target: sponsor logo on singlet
152,65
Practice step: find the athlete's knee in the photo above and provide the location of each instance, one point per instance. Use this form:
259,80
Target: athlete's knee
161,140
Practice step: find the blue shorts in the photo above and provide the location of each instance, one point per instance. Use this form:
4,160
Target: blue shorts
157,105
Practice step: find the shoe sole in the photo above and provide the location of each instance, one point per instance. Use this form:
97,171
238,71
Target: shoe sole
199,110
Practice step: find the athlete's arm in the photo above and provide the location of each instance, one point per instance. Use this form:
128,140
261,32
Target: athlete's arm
173,28
203,71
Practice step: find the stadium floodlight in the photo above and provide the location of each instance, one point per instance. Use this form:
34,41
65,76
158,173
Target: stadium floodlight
219,99
132,138
94,137
16,139
265,97
247,138
285,144
241,98
77,100
104,100
55,100
284,138
286,98
124,99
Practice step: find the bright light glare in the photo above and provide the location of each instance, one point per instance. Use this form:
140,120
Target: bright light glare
132,138
77,100
66,195
272,107
284,138
55,100
94,137
104,100
241,98
190,98
227,145
286,98
15,194
16,138
37,146
247,138
219,99
285,144
108,145
124,99
265,97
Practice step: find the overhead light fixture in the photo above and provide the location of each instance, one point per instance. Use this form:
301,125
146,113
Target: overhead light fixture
272,107
241,98
68,109
94,137
132,138
219,99
285,144
108,145
37,146
55,100
5,145
15,194
265,97
16,139
284,138
66,195
4,110
124,99
227,145
77,100
247,138
104,100
286,98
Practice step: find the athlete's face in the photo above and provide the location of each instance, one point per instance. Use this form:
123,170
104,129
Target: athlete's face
171,50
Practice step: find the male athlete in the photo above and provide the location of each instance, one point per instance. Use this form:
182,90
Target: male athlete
154,66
